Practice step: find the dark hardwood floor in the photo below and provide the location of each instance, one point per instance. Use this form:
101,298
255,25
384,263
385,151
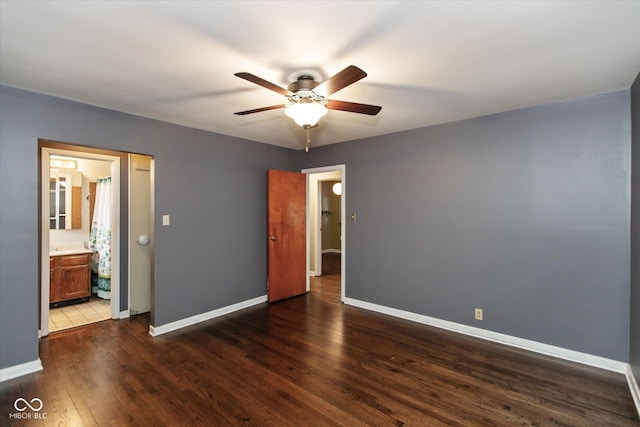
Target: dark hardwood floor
306,361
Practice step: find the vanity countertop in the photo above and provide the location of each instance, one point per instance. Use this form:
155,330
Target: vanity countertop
68,248
72,251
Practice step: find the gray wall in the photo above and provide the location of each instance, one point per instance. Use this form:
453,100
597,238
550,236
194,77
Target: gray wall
524,214
634,337
213,186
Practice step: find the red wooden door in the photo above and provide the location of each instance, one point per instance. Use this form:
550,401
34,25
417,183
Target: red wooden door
286,199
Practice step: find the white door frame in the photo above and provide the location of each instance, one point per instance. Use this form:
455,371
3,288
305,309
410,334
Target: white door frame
318,242
46,152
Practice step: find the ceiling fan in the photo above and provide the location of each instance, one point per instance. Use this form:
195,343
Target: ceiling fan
307,96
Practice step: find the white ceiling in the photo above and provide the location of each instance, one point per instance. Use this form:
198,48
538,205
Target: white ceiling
427,62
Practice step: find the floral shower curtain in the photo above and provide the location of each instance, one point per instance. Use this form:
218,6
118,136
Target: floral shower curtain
100,240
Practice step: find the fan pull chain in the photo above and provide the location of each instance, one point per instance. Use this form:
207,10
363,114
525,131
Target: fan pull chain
306,129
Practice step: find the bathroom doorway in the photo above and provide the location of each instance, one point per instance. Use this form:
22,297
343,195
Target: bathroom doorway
67,300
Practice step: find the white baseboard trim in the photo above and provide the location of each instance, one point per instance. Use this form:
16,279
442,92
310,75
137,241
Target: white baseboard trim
19,370
179,324
633,387
525,344
331,251
312,273
125,314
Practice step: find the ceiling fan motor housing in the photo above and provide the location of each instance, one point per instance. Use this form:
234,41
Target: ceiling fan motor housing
304,82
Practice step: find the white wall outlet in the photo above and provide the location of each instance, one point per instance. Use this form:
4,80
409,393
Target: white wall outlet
166,220
478,313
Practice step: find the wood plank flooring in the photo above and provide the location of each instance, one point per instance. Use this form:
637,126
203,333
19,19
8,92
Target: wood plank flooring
307,361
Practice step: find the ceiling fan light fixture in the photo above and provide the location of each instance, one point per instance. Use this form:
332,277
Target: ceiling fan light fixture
306,107
306,112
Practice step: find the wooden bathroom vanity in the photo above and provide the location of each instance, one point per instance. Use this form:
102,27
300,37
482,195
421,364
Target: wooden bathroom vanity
69,277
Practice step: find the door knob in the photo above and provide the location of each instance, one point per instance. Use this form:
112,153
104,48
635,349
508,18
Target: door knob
273,238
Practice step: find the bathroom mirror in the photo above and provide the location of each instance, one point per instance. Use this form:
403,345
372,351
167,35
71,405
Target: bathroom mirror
65,199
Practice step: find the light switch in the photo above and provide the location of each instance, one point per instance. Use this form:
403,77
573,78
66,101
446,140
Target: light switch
166,220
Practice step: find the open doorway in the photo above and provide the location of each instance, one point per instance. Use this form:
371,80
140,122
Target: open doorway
326,212
74,292
66,248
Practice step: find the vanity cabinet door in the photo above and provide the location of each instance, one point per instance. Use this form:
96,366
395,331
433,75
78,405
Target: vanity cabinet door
74,282
70,277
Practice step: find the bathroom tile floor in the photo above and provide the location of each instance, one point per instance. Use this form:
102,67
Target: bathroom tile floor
69,316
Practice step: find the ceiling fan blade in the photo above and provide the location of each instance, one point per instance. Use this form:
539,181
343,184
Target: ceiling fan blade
258,110
354,107
344,78
262,82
